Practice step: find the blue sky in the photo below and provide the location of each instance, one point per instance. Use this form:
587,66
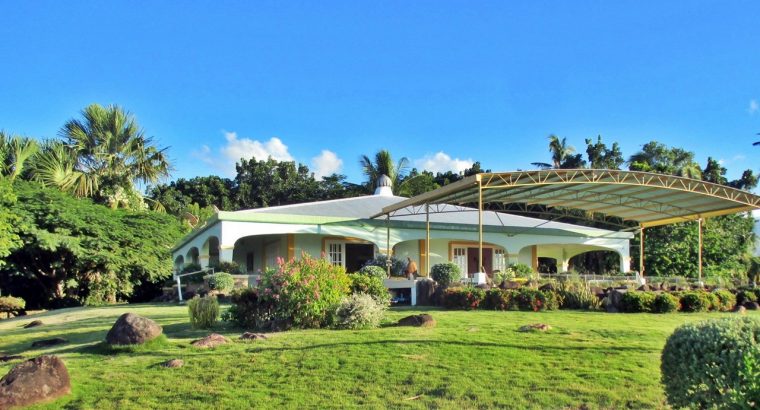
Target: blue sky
443,83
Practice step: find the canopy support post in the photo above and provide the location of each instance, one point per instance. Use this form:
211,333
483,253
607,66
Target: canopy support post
427,239
480,226
388,261
641,252
699,253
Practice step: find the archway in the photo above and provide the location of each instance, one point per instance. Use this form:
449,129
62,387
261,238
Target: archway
179,263
193,256
211,250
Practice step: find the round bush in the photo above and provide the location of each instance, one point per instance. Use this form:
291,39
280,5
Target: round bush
665,303
704,364
222,282
523,271
695,301
726,300
359,311
637,302
376,271
9,304
446,274
371,285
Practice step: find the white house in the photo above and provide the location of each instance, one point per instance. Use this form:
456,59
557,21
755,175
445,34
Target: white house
343,231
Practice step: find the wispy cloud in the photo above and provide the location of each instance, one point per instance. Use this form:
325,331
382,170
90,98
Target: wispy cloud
442,162
754,107
325,164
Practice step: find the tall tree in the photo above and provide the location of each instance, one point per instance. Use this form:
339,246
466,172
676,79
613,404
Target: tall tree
383,165
271,183
107,154
563,155
657,157
602,157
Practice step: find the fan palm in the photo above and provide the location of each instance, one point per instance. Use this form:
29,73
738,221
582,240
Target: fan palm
384,165
15,151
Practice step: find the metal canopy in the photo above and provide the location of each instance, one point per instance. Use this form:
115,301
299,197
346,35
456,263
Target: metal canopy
646,198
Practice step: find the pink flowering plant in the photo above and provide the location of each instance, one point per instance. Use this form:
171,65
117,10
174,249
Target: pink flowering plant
304,291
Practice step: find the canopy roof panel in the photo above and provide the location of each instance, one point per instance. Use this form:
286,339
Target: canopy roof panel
646,198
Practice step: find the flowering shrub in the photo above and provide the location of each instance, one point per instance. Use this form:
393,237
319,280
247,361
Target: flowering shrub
498,299
463,298
359,311
304,291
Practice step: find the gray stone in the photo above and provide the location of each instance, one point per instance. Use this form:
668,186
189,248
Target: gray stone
131,329
36,380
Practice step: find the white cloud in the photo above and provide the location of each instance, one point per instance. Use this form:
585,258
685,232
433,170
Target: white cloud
442,162
247,148
325,164
237,148
754,107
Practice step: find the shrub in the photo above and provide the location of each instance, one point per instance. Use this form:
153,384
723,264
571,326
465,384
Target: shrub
445,274
359,311
746,295
507,274
726,300
695,301
228,267
9,304
531,299
397,265
248,311
371,285
498,299
523,271
552,299
665,303
579,298
203,311
463,298
304,291
705,365
637,302
372,270
222,282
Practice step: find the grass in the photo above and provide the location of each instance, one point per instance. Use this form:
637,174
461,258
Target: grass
470,360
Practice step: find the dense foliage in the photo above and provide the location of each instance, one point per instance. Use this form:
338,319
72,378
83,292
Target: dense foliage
712,364
371,285
397,265
665,303
8,237
10,304
73,248
303,291
372,270
446,274
359,311
203,311
222,282
526,299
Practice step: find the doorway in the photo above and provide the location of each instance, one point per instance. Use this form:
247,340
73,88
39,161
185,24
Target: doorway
357,254
472,260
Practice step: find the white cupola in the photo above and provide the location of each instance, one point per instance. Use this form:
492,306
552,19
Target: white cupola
384,186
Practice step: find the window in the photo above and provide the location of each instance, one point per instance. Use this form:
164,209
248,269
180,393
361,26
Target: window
336,253
499,260
460,259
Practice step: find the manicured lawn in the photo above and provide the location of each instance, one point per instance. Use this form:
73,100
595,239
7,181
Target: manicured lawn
470,360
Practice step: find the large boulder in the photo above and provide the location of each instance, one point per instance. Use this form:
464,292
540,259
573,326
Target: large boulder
212,340
423,320
425,292
751,305
35,380
613,298
132,329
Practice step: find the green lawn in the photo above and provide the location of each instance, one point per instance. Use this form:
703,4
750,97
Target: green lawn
470,360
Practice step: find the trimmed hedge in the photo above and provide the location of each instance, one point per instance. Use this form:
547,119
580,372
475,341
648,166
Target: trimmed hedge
498,299
637,302
446,274
222,282
665,303
712,364
696,301
463,298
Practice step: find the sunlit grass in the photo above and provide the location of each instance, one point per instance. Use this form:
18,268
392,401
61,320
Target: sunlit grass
470,360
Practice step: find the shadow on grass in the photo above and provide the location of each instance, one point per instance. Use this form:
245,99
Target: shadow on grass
539,348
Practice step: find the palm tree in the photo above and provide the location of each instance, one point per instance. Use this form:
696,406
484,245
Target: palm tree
384,165
103,155
560,152
15,151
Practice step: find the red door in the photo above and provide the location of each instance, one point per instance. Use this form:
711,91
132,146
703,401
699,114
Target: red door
472,260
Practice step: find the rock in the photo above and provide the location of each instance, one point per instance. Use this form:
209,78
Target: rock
212,340
541,327
751,305
35,380
740,310
49,342
33,323
253,336
425,291
511,285
613,299
423,320
8,358
644,288
173,363
547,287
131,329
